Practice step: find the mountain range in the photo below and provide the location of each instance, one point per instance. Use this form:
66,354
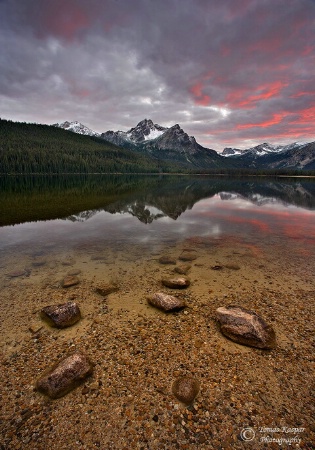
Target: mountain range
173,144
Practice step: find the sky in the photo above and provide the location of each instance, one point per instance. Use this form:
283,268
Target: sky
232,73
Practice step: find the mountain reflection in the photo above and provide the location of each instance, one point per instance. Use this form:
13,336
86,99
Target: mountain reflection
148,198
150,206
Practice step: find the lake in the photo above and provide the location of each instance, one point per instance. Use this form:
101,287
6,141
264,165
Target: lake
251,242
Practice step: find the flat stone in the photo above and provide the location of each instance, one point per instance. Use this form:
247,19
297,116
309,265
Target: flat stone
38,262
166,302
232,266
64,375
70,280
188,256
17,273
73,272
167,260
186,389
245,327
68,262
106,288
61,316
176,282
98,258
182,269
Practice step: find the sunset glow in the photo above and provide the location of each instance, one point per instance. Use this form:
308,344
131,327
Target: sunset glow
95,62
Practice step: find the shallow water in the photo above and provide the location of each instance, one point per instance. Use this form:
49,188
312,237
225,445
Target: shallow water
247,236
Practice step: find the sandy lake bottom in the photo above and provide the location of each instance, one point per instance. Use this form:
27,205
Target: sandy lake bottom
138,351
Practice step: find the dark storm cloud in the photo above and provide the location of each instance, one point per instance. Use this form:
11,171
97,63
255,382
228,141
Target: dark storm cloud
231,73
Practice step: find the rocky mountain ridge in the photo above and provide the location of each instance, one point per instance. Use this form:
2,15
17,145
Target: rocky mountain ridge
174,144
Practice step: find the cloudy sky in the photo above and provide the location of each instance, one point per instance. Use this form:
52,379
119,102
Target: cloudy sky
230,72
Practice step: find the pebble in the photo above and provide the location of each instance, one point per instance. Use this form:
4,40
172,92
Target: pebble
166,302
167,260
186,389
176,282
69,281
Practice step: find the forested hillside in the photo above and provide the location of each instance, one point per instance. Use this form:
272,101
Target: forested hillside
30,148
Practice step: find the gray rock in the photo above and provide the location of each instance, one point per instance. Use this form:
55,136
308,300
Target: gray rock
61,316
166,302
186,389
245,327
70,280
176,282
65,375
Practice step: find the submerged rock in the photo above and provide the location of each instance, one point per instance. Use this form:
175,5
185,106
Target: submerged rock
186,389
70,280
183,269
73,272
167,260
232,266
17,273
166,302
61,316
217,267
106,288
65,375
245,327
188,255
176,282
38,262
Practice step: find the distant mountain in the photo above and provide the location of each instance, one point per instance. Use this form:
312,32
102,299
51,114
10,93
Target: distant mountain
170,144
259,150
77,127
267,156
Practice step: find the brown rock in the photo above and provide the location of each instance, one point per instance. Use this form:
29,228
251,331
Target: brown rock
70,280
186,389
38,262
217,267
188,256
106,288
61,316
167,260
176,282
245,327
166,302
73,272
65,375
232,266
17,273
182,269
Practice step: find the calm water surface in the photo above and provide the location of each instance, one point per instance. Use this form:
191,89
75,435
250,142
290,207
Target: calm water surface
154,213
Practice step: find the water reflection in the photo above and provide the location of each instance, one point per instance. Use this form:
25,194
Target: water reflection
147,198
155,210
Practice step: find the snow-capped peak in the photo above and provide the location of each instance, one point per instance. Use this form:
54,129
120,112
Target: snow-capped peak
146,130
260,150
77,127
